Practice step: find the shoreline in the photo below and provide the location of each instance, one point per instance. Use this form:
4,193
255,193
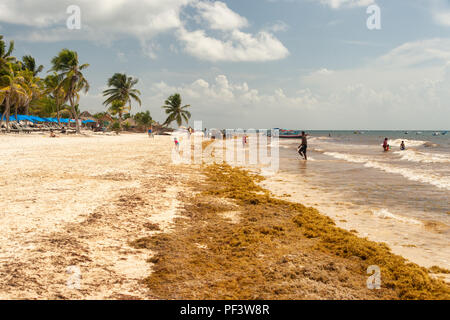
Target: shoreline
374,224
120,211
276,248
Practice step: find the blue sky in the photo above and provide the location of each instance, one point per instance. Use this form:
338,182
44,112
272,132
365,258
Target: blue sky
309,64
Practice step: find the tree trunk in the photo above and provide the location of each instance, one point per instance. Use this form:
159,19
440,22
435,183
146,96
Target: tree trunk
75,114
7,114
58,116
3,117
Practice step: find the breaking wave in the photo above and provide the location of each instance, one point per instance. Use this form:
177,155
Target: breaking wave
416,156
413,175
385,214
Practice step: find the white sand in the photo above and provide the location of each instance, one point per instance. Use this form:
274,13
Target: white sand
76,202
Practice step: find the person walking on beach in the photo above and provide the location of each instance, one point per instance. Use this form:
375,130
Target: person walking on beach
150,132
244,140
302,148
177,144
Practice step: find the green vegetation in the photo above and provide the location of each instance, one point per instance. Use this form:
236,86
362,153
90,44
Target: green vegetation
121,94
67,66
175,111
23,91
143,119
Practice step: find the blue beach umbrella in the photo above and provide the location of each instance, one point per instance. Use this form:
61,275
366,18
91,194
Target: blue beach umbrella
50,120
39,119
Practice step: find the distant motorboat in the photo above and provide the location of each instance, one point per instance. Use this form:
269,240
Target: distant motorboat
406,132
290,134
419,132
436,133
444,133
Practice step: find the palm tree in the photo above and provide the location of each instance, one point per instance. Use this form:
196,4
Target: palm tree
143,119
33,86
71,78
122,90
13,91
29,63
5,55
56,91
175,111
118,107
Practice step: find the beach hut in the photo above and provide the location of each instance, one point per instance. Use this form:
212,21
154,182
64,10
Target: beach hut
129,123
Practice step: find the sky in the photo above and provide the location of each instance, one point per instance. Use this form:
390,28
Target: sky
297,64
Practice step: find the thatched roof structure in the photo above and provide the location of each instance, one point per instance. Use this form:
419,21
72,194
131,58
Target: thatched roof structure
131,122
86,116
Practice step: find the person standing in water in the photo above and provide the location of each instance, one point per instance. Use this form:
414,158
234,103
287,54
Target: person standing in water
385,144
302,148
402,146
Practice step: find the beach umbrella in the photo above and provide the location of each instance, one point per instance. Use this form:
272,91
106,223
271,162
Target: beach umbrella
20,117
39,119
50,120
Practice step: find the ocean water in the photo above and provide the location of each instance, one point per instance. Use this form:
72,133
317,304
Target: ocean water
399,197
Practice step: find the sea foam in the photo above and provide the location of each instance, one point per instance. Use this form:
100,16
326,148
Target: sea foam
416,156
410,174
385,214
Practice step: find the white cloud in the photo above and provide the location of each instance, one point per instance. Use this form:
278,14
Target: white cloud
231,44
417,53
140,18
278,26
323,72
398,90
219,16
108,20
440,10
336,4
235,46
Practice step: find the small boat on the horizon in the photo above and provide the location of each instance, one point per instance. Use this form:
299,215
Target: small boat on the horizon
444,133
436,134
290,134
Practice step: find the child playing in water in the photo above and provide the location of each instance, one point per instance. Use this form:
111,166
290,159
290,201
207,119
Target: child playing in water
386,145
402,146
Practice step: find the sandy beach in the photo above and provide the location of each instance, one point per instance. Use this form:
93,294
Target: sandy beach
77,202
110,217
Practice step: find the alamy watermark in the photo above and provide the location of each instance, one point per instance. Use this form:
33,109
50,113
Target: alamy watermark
74,279
374,281
374,20
73,22
232,146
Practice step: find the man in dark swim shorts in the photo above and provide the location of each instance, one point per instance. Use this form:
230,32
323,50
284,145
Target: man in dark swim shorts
304,146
